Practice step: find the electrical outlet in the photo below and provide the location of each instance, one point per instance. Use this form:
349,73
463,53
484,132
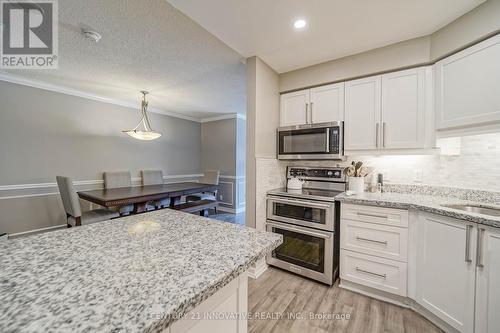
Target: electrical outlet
221,197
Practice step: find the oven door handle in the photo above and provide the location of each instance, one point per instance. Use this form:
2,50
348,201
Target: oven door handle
302,202
300,230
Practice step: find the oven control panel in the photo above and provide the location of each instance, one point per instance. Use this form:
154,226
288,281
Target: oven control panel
316,173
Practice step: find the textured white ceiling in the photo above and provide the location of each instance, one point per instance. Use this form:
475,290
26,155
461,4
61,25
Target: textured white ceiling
336,28
146,44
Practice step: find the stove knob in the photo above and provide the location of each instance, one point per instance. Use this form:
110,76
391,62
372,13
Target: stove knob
337,174
329,173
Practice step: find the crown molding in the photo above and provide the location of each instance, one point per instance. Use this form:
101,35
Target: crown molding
21,80
224,117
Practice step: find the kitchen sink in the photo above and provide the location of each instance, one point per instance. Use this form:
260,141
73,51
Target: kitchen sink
478,209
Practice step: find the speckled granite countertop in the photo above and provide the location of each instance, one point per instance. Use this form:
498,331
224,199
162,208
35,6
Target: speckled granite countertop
134,274
428,203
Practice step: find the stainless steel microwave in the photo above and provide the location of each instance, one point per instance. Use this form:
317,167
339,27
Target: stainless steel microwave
324,141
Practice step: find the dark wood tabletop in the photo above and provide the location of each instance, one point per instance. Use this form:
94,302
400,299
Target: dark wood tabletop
140,195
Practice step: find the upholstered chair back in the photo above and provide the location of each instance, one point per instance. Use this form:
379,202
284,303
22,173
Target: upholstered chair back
69,196
152,177
117,179
211,177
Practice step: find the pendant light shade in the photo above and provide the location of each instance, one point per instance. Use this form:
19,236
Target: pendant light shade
143,130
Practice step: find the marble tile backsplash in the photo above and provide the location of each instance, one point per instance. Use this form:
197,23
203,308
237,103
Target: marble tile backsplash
270,174
477,165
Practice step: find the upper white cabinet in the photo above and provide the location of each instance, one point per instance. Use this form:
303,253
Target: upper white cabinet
488,281
294,108
327,103
362,113
446,269
467,86
388,111
403,109
311,106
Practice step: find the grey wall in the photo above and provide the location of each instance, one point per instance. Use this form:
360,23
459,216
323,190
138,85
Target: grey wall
474,25
44,134
218,146
223,148
262,121
240,147
407,53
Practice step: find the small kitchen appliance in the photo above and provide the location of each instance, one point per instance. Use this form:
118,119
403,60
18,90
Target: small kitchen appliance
323,141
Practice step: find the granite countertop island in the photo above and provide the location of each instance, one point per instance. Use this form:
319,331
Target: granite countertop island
134,274
424,202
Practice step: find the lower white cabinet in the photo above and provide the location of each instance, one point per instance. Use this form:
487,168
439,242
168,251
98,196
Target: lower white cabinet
446,269
452,266
488,281
374,247
379,273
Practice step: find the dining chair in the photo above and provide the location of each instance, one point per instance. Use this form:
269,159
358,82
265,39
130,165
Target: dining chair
209,177
116,180
154,177
71,203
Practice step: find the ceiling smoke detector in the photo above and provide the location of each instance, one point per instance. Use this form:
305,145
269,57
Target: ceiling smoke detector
91,35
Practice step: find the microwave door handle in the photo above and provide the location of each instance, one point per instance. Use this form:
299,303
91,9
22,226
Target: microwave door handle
327,133
301,230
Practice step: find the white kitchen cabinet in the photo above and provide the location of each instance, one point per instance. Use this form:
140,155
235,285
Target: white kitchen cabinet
375,272
327,103
467,86
294,108
312,106
446,269
362,113
403,109
374,247
389,111
488,281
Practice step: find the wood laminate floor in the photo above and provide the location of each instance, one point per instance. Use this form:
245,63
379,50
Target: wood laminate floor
283,302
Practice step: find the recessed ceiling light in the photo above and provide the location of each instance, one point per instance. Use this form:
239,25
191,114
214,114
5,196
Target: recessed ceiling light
299,24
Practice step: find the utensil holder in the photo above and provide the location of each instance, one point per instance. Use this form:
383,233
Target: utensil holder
357,184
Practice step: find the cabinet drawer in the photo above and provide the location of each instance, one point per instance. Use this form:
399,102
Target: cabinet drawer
374,239
380,215
383,274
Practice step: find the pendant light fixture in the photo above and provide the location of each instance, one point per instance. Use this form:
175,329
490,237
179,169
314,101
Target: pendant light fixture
143,130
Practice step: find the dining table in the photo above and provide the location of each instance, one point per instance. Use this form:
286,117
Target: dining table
139,196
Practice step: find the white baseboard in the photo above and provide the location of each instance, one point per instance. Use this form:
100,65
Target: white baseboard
258,269
36,231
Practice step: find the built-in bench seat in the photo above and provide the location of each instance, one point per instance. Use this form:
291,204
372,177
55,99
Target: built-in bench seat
200,206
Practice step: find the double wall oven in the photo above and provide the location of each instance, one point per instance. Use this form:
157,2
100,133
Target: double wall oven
308,220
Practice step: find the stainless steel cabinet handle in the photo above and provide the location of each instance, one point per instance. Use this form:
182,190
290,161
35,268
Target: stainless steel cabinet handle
384,276
383,134
311,113
307,114
377,136
300,202
480,248
372,215
371,240
298,230
467,244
